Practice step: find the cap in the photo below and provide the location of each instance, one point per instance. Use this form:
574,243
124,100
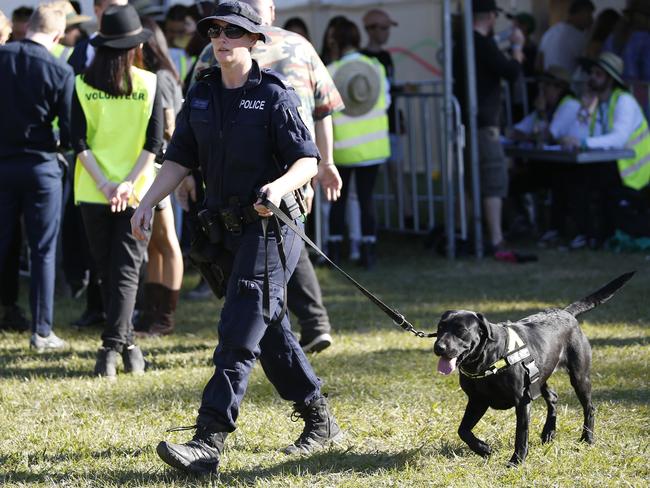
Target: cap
235,13
377,16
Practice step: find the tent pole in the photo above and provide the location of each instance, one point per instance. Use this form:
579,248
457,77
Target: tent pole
448,172
472,109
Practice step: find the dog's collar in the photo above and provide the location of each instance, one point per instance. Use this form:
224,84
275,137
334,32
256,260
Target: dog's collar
517,352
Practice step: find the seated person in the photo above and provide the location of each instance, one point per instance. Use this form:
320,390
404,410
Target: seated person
555,102
610,118
556,110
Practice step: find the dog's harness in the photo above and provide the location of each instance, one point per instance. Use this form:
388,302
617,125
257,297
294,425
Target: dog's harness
518,352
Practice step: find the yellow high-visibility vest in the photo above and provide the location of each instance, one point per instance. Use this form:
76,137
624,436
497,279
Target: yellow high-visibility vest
635,172
363,138
62,52
116,128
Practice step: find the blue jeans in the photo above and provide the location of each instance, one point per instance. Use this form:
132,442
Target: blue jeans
244,337
37,190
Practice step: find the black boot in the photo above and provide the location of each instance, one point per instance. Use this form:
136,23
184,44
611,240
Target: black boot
320,429
106,363
368,255
200,455
148,313
133,360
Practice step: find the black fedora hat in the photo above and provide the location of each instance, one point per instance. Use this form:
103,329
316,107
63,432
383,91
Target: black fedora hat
236,13
120,28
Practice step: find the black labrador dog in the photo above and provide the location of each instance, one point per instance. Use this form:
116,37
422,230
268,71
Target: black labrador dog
507,365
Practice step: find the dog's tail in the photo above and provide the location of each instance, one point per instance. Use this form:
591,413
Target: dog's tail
600,296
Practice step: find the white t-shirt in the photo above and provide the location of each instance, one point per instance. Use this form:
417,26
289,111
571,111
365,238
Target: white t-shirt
562,45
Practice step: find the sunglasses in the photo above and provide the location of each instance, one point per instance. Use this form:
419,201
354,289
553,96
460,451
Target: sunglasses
231,31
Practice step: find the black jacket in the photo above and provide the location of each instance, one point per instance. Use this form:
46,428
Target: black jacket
36,88
241,146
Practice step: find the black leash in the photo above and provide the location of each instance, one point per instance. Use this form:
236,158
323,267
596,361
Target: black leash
396,317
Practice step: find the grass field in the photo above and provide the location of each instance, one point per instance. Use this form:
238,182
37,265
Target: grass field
61,427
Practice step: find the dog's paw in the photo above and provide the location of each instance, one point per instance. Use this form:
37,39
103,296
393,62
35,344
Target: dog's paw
548,435
483,449
588,438
514,461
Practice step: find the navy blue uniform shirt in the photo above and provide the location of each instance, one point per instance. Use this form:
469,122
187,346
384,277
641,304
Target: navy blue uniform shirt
35,87
244,144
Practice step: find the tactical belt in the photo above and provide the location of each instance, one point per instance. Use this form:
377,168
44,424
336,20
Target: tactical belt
518,352
396,317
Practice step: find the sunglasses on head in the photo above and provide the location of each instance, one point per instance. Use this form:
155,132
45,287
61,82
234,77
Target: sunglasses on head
377,26
231,31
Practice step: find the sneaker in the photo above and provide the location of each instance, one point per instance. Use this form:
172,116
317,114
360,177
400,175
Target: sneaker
133,360
321,429
106,363
14,319
90,318
578,242
202,291
200,455
549,239
48,343
315,342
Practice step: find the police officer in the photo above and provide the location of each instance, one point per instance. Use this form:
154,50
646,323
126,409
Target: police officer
241,125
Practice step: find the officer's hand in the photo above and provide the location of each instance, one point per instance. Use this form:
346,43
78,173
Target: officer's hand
185,192
309,197
141,222
120,198
330,179
272,195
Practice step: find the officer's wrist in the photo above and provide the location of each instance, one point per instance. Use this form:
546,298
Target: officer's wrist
102,184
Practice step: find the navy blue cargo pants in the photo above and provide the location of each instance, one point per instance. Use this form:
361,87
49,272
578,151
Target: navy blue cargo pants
245,337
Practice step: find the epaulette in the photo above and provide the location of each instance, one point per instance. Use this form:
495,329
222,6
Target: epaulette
277,76
207,72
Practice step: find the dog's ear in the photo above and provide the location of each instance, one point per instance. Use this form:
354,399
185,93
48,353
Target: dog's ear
485,325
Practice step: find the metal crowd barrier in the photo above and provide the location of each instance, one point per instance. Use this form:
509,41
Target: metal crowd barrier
416,180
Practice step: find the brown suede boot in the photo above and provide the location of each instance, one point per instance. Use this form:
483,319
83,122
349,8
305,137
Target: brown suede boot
150,310
164,321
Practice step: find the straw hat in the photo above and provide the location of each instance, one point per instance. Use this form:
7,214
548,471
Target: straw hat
120,28
556,74
71,16
359,84
611,64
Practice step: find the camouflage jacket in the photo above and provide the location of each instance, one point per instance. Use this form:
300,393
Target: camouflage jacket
295,58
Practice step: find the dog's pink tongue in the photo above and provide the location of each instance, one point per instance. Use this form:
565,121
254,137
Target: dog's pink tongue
446,366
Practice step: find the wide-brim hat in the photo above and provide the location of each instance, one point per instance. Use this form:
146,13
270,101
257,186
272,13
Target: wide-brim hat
556,74
235,13
484,6
610,63
359,84
120,28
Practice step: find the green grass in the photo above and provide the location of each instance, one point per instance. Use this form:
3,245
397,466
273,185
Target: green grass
61,427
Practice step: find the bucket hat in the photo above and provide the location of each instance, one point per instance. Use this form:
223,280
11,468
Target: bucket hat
611,64
235,13
120,28
359,84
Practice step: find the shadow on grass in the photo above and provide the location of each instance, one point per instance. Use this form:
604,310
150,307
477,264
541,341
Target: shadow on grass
328,462
50,364
619,342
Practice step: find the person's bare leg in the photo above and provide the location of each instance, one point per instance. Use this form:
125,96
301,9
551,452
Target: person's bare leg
492,208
